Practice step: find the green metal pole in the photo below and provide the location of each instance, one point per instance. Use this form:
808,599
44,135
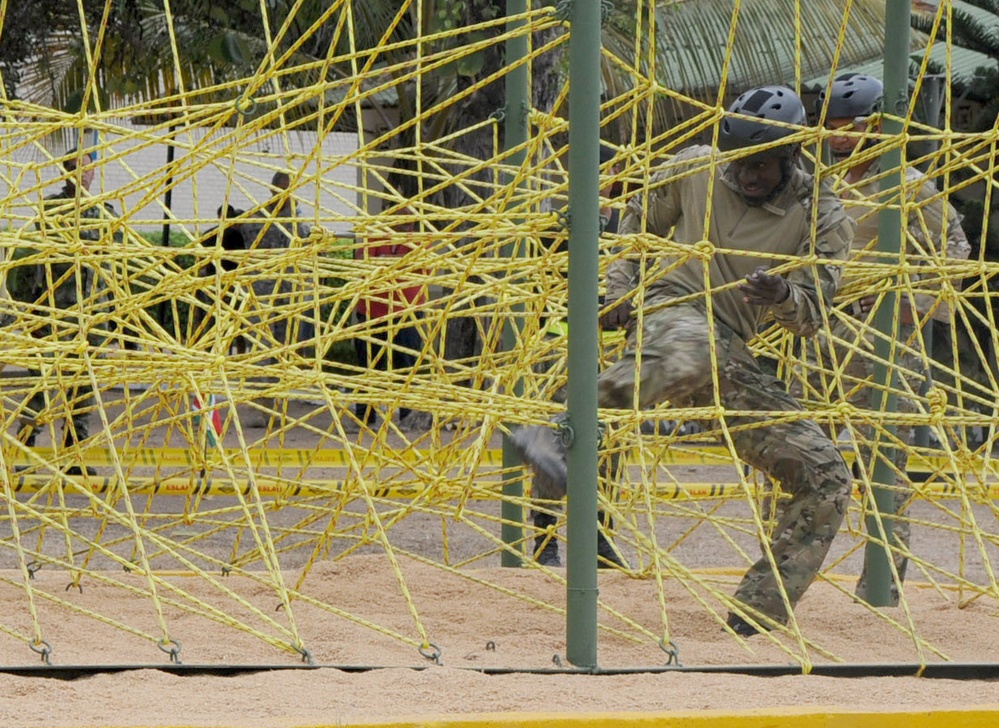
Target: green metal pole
584,231
931,102
878,558
515,130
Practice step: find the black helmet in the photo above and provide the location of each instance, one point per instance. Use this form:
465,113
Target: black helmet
853,95
770,103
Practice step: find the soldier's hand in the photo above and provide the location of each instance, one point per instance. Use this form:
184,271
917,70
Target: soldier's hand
762,289
908,315
617,316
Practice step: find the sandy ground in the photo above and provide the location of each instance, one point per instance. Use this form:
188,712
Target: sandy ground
477,628
334,698
481,617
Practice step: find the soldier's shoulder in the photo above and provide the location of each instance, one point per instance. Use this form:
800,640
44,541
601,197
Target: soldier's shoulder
822,196
830,215
698,154
926,186
914,174
695,151
686,160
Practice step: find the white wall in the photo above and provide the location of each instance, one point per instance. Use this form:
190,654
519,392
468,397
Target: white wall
133,175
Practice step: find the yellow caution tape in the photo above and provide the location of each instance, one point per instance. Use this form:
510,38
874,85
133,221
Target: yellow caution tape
272,487
167,457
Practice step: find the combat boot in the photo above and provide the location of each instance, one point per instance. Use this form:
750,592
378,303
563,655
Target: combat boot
543,450
607,557
545,543
741,627
69,441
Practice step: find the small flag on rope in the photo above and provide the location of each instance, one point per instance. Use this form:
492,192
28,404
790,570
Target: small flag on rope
214,421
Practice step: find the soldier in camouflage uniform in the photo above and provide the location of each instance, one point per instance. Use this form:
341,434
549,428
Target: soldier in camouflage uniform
853,105
55,287
761,216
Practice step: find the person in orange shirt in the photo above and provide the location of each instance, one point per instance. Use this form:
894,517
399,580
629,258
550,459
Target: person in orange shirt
391,341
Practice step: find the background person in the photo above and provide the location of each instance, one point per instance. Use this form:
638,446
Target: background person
230,236
53,289
933,230
275,229
389,317
285,208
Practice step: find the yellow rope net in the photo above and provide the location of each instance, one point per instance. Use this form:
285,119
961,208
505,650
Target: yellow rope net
210,396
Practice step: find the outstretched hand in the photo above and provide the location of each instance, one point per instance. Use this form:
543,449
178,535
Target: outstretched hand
762,289
618,316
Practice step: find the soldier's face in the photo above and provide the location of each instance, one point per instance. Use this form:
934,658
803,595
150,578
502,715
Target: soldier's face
842,145
758,177
86,176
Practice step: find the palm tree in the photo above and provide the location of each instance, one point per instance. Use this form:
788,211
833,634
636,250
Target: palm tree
22,37
974,26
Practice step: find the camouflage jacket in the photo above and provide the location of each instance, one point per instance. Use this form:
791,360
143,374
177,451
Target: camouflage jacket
931,234
694,198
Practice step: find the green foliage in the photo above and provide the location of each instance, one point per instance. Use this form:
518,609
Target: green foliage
976,31
968,32
25,34
177,238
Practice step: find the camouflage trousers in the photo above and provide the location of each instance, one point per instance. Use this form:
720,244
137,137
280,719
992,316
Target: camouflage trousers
853,347
79,400
676,365
272,296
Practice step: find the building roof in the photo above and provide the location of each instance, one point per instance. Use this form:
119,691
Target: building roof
963,64
767,46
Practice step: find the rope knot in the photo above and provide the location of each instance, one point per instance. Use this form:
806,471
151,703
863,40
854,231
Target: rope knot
843,410
936,398
704,249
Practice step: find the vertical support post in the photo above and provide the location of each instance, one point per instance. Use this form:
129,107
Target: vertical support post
584,232
877,558
515,129
168,195
929,107
164,306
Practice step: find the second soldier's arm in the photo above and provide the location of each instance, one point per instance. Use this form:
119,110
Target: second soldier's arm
931,208
620,280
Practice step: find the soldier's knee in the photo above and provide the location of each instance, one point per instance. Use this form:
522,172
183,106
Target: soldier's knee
822,469
615,393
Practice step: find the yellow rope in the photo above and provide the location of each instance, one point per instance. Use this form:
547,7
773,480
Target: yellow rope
295,477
